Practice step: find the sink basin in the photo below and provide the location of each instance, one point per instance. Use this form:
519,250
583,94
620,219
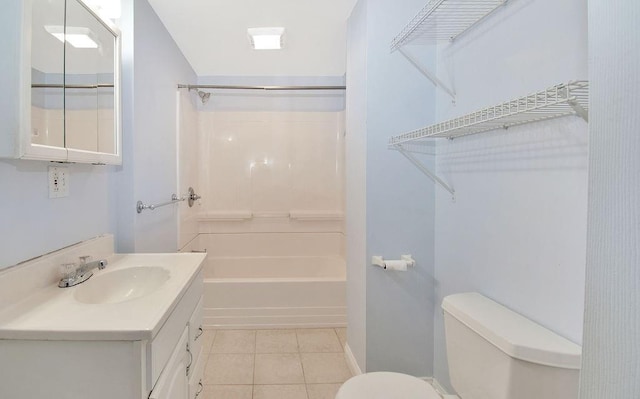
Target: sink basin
121,285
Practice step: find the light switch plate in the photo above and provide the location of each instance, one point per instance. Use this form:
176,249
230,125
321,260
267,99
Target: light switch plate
58,181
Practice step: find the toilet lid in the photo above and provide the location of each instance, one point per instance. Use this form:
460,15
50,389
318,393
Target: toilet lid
386,386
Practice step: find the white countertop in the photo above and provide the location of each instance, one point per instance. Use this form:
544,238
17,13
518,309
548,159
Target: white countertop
54,314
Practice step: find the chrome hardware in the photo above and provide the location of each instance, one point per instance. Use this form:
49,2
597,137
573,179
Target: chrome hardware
140,206
76,274
201,387
190,360
265,88
197,251
200,332
192,197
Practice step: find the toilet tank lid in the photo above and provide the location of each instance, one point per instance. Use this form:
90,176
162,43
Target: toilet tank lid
511,332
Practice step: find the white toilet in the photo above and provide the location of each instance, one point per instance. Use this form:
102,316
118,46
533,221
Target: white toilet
493,353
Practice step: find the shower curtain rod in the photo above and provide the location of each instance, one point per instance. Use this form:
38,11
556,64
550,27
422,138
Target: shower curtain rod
267,88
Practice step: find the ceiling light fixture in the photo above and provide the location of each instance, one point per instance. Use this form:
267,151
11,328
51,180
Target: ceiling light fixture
266,38
108,8
77,37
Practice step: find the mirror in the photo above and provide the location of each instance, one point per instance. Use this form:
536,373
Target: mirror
47,74
89,89
74,71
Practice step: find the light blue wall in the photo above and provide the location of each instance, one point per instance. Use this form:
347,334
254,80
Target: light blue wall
399,199
611,352
123,181
102,198
517,230
153,66
31,224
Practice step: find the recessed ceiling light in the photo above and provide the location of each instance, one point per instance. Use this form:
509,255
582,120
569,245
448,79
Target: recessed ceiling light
77,37
107,8
266,38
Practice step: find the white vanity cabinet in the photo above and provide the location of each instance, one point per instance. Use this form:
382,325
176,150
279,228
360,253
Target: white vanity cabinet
167,366
173,367
196,368
173,382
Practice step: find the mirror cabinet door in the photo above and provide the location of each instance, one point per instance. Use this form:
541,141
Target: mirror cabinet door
90,121
47,73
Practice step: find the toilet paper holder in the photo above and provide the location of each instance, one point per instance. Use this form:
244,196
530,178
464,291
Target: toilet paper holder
379,261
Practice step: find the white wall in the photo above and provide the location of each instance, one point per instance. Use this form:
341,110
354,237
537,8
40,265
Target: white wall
188,165
389,96
611,365
272,163
356,183
213,35
517,229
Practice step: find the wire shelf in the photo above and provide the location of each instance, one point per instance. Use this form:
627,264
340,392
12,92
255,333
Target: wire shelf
561,100
444,20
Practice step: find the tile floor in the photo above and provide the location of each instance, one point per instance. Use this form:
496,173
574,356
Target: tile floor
274,364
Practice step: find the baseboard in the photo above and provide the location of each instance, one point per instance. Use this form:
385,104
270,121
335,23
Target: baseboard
441,390
273,318
351,361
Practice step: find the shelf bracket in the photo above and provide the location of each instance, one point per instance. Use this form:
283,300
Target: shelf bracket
580,111
426,171
432,77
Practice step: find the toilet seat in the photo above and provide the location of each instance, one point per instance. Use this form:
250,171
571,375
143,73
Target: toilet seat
385,385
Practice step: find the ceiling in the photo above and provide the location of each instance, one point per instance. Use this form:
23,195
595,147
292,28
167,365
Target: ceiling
212,35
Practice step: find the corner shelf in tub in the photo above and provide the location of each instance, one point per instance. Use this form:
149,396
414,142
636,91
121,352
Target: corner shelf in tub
225,216
299,215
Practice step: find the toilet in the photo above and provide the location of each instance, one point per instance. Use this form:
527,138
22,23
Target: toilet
493,353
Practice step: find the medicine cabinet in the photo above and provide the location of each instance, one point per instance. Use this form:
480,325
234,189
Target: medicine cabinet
63,76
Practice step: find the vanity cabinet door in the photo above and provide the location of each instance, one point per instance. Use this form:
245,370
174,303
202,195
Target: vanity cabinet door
173,382
196,333
196,370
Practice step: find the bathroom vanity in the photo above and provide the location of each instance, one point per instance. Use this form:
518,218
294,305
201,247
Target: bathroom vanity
133,330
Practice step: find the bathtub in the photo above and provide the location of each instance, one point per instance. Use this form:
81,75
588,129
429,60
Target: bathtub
273,281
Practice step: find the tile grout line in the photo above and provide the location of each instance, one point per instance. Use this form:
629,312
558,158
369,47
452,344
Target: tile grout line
304,376
255,350
335,331
298,351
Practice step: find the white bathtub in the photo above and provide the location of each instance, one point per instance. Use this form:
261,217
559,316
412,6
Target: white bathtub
278,281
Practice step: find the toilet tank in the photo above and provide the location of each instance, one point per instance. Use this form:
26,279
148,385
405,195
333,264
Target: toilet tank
496,353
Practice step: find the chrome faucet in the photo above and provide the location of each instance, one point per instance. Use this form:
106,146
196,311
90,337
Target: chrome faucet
74,274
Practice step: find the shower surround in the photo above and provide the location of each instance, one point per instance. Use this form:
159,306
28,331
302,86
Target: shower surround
271,218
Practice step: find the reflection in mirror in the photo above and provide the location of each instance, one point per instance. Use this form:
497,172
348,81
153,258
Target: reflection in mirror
89,74
47,74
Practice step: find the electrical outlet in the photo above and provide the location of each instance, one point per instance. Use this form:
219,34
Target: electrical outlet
58,181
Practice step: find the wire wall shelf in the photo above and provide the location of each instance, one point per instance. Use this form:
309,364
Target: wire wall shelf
561,100
444,20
